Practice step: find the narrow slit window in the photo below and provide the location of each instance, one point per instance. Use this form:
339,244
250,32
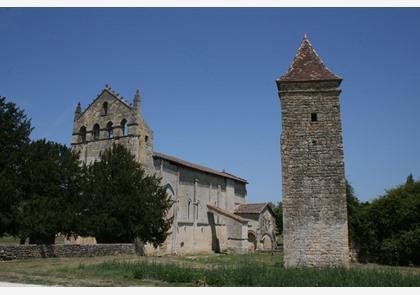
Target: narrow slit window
314,117
96,130
82,133
109,129
124,127
105,109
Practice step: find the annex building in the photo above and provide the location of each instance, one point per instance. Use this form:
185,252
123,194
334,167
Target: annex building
210,212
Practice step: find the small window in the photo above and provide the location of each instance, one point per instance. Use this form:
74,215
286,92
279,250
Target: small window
188,215
124,127
146,138
314,117
82,134
96,132
109,130
105,109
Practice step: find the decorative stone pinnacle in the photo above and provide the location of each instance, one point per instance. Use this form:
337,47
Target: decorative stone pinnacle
107,86
78,108
305,36
77,112
137,101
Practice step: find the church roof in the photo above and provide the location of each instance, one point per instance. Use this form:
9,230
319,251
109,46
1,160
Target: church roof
227,213
255,208
198,167
307,66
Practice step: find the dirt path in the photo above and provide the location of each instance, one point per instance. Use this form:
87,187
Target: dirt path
7,284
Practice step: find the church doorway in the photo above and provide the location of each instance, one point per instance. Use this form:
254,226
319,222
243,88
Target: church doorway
267,242
252,240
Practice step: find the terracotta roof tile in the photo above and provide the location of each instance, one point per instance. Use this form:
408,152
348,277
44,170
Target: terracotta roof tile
255,208
198,167
307,66
227,213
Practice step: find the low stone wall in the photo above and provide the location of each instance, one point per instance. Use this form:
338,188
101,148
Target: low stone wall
13,252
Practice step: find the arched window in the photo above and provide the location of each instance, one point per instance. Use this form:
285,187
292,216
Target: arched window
82,134
96,132
104,109
124,127
109,130
171,195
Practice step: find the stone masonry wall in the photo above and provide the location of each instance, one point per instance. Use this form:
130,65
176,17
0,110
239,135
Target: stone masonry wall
314,197
18,251
137,138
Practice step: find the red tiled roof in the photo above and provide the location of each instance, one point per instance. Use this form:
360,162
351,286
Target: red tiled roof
307,66
255,208
226,213
198,167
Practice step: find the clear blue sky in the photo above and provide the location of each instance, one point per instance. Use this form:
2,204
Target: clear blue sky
207,79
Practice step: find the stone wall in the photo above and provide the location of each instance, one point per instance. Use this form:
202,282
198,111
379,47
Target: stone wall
137,137
314,194
18,251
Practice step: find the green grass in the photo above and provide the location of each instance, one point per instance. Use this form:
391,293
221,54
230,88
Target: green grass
260,269
248,274
9,241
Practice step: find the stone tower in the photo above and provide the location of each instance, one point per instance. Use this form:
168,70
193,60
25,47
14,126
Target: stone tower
110,119
314,193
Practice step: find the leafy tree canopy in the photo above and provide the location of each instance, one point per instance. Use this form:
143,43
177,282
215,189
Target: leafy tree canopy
123,203
387,230
15,128
51,186
278,215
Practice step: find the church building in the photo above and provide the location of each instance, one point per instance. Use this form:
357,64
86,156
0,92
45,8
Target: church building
209,211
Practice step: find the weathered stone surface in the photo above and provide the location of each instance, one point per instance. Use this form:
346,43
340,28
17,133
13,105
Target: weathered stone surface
13,252
189,185
261,226
314,197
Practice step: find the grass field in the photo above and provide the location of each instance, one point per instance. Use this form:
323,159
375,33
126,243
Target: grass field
262,269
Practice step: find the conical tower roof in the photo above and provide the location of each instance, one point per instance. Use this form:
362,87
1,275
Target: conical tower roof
307,66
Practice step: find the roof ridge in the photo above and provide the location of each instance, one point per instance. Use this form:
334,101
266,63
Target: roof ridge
198,167
251,208
227,213
110,91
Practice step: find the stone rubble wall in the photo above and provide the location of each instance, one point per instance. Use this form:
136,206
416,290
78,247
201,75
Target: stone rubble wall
44,251
314,192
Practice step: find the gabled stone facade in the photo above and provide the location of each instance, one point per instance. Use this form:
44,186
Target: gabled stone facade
204,199
314,194
261,225
110,119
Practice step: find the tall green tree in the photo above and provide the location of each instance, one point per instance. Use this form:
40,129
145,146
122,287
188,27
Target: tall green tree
123,202
360,230
15,128
51,188
278,215
387,230
395,220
